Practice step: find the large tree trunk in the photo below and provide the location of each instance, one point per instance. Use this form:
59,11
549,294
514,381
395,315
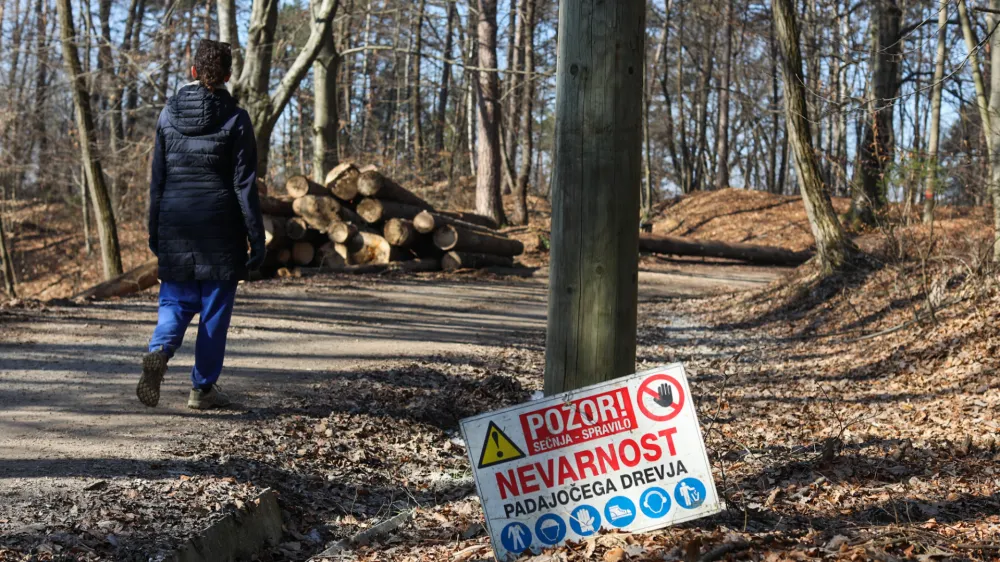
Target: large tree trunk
488,200
875,155
930,182
760,255
325,114
106,227
593,287
520,215
722,131
832,246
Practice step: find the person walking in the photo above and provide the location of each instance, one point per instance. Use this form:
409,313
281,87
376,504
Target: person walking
204,209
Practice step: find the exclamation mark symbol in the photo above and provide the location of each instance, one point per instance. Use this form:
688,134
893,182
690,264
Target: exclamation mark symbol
496,440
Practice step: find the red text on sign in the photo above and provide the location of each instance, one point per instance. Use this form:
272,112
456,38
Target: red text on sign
578,421
572,467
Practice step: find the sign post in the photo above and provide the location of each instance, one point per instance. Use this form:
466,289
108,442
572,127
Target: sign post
625,454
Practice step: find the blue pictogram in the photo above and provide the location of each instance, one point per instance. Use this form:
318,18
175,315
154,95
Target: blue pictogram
620,511
585,520
515,537
550,529
689,493
654,502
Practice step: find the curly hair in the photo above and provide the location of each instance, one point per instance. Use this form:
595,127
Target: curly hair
213,62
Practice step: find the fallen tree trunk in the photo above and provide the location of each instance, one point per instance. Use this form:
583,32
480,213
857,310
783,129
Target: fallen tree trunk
426,222
760,255
473,218
374,184
416,265
277,206
460,239
464,260
374,211
300,186
342,181
400,232
321,212
132,281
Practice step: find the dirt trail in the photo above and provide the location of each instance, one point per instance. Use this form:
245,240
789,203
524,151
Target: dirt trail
69,416
67,375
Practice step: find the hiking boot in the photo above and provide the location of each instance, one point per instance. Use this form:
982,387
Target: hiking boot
207,399
154,365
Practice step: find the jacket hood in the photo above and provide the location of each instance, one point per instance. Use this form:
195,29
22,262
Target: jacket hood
194,110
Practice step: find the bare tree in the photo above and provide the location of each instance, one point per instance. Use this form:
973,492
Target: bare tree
488,200
252,85
722,131
106,227
832,246
875,155
930,182
520,215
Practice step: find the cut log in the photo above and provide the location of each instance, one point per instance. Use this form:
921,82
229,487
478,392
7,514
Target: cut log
342,181
132,281
400,232
374,211
303,253
342,232
320,212
460,239
426,222
284,256
472,218
374,184
760,255
277,206
465,260
327,256
300,186
366,247
296,228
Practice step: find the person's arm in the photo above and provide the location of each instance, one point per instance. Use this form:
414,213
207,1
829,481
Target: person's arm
157,180
245,183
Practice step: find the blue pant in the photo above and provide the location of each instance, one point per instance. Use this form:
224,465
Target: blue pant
179,302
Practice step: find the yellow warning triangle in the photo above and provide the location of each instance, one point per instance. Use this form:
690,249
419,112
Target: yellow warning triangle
498,448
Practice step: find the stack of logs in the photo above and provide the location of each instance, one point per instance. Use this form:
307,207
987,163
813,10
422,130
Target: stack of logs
363,219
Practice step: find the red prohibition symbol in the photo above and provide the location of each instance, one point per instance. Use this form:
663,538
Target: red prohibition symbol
667,397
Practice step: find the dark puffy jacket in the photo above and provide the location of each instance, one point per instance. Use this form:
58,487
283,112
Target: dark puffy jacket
203,202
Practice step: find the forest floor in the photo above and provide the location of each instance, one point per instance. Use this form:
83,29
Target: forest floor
853,418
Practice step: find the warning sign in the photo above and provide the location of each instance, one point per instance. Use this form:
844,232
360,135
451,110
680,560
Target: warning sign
498,448
626,454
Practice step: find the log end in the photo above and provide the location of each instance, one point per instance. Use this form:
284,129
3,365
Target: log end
370,183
